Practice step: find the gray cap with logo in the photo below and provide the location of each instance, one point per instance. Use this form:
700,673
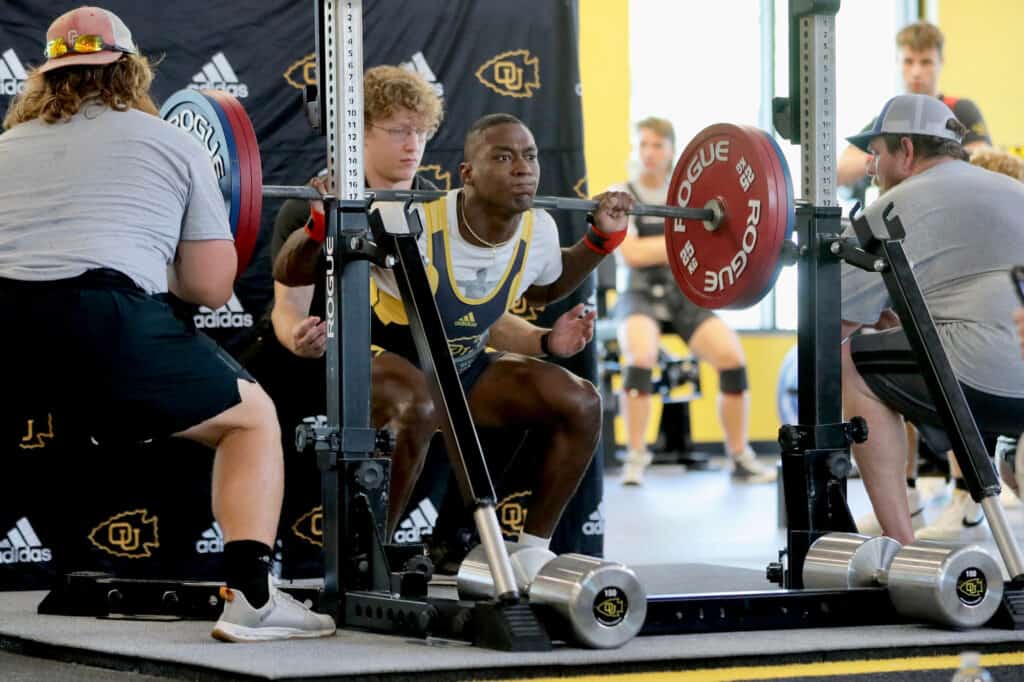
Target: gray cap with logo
909,115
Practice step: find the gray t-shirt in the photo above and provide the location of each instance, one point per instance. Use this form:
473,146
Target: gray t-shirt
106,189
965,229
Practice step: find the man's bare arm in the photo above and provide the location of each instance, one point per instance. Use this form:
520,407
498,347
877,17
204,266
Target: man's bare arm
296,262
513,334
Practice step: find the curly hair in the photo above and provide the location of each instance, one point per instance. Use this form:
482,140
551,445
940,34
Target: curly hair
387,89
58,95
999,161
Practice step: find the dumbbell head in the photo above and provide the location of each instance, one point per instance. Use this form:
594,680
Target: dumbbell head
841,560
955,586
593,602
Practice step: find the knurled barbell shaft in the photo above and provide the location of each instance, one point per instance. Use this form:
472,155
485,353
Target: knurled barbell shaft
556,203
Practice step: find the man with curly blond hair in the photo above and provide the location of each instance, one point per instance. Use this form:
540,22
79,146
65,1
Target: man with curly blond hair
106,208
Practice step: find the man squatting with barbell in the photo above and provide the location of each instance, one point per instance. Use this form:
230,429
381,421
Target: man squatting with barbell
105,208
485,247
401,112
962,236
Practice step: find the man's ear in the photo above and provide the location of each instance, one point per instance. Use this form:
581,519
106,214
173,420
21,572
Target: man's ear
909,153
466,173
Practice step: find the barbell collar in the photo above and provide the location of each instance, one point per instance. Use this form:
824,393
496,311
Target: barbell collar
545,202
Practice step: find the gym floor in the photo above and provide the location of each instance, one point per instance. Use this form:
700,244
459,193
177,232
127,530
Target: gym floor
677,516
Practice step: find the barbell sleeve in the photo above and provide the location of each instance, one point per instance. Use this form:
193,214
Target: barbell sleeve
545,202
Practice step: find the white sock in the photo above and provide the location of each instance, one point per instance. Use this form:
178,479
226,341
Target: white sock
533,541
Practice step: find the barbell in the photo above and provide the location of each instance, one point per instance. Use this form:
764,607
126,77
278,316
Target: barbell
728,214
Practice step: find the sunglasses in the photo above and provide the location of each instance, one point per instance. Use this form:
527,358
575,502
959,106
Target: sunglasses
87,44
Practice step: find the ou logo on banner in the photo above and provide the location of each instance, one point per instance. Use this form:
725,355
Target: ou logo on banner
515,73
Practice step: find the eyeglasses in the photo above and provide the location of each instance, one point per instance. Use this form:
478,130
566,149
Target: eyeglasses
88,44
401,134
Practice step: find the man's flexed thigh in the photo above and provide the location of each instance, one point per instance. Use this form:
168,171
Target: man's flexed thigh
516,390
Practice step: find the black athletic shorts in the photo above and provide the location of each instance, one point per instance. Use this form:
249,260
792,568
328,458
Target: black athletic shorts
674,313
890,369
114,361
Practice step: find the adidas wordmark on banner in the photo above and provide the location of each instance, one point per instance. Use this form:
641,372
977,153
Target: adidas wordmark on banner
212,541
218,74
418,65
420,520
230,316
22,545
12,74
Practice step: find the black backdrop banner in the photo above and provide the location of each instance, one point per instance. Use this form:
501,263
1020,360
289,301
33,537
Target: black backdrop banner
483,56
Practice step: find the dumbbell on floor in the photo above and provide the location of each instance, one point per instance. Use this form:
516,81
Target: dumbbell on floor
954,586
593,602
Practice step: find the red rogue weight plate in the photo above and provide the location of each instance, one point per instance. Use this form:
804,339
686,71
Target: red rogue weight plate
250,176
735,265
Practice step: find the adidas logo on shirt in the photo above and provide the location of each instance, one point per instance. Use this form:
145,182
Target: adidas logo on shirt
231,316
467,320
419,521
418,65
217,74
22,545
12,74
212,541
594,525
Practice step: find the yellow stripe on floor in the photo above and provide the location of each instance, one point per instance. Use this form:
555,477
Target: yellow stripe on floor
797,670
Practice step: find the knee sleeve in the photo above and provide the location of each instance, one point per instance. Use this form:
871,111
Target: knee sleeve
637,379
733,380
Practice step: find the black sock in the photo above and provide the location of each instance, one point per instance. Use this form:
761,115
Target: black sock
912,482
961,484
246,566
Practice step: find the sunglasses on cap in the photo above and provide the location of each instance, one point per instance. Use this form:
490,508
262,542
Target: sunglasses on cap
86,44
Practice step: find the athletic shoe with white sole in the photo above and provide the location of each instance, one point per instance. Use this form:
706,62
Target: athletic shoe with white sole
282,617
634,466
745,468
962,519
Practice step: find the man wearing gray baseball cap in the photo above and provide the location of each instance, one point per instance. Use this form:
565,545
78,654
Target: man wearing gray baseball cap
963,236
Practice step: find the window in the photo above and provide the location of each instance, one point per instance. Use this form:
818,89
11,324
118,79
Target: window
698,63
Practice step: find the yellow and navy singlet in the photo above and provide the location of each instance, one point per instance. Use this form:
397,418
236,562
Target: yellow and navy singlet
466,320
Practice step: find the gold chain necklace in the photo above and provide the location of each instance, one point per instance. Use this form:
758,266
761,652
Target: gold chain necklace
462,217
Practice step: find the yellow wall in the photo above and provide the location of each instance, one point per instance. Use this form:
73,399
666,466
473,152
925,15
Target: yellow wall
604,73
983,57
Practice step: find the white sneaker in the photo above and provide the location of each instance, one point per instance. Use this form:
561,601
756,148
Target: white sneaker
868,523
962,519
744,467
634,466
282,617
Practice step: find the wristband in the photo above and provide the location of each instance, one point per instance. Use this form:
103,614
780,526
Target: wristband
316,226
599,242
544,350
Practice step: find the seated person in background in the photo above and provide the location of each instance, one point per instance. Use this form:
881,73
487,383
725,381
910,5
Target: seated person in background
487,247
920,47
962,236
80,278
961,515
650,302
